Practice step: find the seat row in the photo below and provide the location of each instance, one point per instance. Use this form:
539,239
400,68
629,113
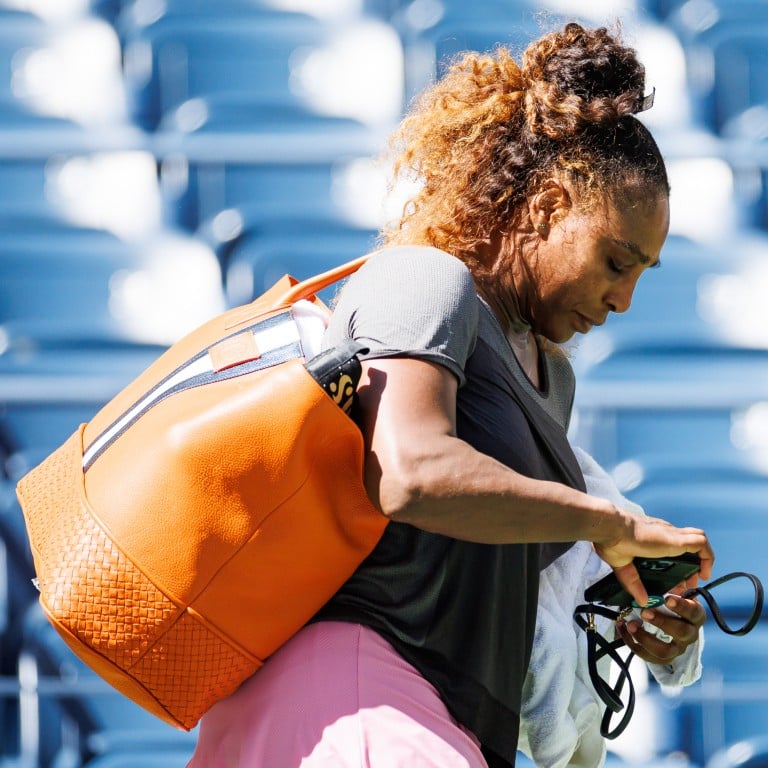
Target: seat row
315,61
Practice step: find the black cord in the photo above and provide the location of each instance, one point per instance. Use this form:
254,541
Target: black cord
598,647
757,607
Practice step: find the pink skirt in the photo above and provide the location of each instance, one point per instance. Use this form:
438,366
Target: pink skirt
337,695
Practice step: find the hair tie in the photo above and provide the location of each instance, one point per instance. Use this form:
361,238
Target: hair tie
646,102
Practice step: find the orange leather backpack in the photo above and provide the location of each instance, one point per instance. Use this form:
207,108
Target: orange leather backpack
209,510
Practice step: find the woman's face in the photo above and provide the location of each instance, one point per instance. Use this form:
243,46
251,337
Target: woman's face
588,263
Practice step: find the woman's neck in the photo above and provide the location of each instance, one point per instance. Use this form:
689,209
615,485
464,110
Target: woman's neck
500,290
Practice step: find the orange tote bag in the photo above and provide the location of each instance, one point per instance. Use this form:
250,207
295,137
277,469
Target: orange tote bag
207,511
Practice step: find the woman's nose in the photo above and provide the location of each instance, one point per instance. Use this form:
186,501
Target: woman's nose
619,298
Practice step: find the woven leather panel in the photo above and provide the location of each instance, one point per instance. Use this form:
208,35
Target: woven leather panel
98,595
85,581
191,669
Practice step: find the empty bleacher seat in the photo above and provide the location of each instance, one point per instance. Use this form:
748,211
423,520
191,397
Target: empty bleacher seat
301,248
725,46
673,376
730,702
667,403
268,60
69,70
60,274
434,34
138,758
135,10
97,719
660,9
748,753
263,183
80,282
19,31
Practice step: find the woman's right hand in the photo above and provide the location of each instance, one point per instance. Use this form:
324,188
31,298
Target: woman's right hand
651,537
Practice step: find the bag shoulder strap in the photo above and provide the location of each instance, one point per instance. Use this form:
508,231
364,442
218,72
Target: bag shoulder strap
306,289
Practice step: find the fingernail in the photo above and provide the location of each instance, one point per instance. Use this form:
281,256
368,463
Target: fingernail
647,614
632,626
671,602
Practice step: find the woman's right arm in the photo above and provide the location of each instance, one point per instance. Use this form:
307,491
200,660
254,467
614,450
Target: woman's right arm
419,472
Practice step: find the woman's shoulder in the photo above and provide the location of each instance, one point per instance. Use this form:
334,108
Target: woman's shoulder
419,260
413,275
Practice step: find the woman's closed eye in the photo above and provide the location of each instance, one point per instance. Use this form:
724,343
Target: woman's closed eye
616,265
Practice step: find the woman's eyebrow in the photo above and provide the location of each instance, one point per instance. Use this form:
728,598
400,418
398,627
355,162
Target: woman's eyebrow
635,250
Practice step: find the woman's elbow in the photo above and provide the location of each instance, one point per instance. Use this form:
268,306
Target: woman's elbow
395,491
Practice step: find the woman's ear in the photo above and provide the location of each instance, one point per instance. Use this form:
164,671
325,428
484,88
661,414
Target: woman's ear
548,205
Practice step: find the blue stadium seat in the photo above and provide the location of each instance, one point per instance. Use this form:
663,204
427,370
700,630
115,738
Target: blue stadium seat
19,31
730,702
98,720
436,37
726,55
188,58
53,273
660,9
253,57
59,282
667,403
23,190
39,155
38,68
383,8
749,753
261,188
301,248
748,133
138,758
46,392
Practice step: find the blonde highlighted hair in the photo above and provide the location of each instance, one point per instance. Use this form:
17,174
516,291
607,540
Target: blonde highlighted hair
483,136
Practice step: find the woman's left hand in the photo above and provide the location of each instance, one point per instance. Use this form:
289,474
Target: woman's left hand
683,628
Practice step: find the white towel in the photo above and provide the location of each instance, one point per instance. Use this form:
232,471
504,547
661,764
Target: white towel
561,712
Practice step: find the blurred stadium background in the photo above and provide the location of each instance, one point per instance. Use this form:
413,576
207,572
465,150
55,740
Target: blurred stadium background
161,160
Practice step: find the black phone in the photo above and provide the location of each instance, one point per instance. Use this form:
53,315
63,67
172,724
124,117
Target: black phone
658,574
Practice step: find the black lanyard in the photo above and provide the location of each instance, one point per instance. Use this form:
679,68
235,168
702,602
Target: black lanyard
598,647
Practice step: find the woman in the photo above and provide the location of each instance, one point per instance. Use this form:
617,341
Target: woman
542,202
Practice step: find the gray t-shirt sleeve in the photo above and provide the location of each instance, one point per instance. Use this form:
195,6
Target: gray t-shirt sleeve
409,301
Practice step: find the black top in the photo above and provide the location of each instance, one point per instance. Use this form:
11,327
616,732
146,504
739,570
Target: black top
464,613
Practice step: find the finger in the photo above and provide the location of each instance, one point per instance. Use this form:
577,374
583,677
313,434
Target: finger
681,631
707,557
689,583
646,645
629,578
690,610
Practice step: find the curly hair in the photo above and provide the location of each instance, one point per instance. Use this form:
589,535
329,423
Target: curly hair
482,137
